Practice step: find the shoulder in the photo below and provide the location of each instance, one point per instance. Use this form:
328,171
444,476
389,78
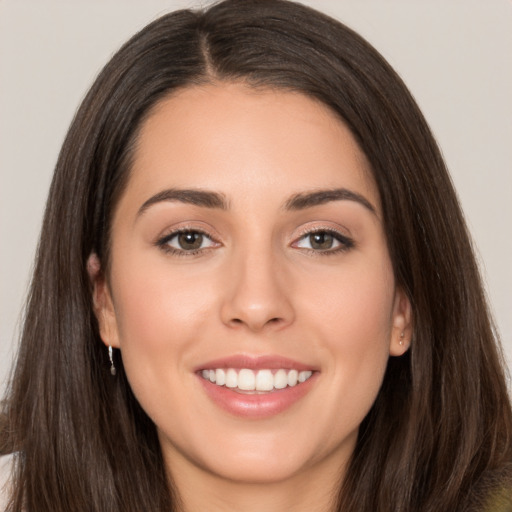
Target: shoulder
493,493
5,474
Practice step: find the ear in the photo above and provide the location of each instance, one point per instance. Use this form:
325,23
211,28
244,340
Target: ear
401,330
102,302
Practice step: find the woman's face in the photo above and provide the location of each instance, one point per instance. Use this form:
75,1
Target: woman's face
248,248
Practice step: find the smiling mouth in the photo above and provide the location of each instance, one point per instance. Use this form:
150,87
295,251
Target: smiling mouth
249,381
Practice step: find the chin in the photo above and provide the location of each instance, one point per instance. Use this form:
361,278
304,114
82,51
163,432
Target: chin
265,471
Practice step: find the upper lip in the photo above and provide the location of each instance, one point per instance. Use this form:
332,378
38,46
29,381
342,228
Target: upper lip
261,362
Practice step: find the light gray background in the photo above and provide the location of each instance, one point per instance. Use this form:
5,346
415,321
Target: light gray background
455,55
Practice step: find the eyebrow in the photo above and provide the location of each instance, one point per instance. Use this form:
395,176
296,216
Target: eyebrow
215,200
197,197
305,200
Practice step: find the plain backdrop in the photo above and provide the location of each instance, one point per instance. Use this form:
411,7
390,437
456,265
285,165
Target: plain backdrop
455,56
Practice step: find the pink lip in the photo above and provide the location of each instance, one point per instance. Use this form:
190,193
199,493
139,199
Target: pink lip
256,406
267,362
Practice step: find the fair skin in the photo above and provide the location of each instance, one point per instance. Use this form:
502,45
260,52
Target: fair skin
259,270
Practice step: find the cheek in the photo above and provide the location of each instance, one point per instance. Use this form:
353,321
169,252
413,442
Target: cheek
159,317
354,300
157,306
352,315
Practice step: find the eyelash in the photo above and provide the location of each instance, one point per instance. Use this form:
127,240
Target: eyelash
345,242
163,242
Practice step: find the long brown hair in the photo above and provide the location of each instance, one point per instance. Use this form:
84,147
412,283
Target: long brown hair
438,437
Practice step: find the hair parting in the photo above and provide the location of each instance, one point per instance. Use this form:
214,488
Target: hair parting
439,434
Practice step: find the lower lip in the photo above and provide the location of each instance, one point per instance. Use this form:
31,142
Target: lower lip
257,406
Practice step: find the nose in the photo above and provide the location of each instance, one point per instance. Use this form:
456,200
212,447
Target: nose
256,295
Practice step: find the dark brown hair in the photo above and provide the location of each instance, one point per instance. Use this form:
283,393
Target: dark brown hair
438,437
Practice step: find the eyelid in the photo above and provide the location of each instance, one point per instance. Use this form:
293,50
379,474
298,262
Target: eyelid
345,241
163,240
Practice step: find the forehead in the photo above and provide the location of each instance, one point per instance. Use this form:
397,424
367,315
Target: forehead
241,139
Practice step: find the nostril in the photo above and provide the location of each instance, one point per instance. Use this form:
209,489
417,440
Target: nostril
271,321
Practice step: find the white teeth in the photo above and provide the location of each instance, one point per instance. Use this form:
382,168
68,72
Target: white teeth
246,380
260,380
280,379
220,377
293,375
231,378
264,380
304,376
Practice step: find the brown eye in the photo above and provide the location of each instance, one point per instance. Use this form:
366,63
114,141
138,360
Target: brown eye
324,241
186,242
190,240
321,241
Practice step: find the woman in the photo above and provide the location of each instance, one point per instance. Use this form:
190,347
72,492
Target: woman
254,281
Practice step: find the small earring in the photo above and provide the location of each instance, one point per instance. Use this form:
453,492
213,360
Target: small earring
111,357
401,341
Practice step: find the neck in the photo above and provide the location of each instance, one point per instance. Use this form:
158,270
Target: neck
315,489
